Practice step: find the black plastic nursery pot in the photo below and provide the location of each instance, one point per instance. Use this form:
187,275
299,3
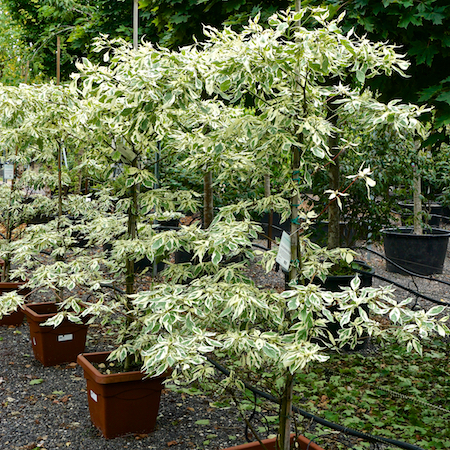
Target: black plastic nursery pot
335,282
277,226
421,254
319,234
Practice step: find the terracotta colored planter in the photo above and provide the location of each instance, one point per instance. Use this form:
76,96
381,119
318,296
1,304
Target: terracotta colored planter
52,346
121,403
270,444
15,318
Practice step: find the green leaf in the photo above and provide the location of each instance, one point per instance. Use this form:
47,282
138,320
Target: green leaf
216,258
36,381
360,76
202,422
444,97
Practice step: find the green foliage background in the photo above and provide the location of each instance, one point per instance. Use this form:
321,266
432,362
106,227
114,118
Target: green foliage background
171,23
421,28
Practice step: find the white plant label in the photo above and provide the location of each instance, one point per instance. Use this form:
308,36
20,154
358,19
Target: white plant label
8,171
93,396
65,337
284,252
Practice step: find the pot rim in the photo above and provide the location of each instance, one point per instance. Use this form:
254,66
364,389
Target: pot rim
409,231
84,361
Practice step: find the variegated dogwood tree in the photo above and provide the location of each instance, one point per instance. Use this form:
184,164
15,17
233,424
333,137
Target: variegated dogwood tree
34,127
240,102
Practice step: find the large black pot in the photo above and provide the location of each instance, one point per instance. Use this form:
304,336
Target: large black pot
421,254
334,283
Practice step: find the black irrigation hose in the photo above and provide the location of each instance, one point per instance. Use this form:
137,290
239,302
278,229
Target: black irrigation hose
412,291
401,286
413,274
332,425
114,288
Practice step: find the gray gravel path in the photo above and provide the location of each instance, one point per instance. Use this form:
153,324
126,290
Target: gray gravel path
53,413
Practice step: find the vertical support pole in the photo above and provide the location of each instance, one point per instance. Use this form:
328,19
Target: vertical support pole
417,193
135,24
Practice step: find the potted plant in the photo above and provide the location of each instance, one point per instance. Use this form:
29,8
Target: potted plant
40,137
12,218
173,326
418,249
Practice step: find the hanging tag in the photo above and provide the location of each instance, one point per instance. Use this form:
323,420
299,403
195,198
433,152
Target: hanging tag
8,171
284,252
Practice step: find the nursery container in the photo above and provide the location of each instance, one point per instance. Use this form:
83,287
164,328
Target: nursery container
16,317
423,254
120,403
271,444
52,346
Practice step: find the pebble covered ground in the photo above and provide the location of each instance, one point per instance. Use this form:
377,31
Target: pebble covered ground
46,407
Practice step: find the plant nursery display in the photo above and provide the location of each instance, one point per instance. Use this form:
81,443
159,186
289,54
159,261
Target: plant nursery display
248,104
419,248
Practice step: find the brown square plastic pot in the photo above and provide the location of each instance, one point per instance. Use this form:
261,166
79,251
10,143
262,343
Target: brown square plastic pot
52,346
15,318
271,444
121,403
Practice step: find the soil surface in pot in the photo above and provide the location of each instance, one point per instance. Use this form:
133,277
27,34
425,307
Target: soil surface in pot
46,407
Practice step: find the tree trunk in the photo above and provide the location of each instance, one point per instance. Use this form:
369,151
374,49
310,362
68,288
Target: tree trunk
132,233
334,232
60,291
295,202
130,272
208,201
284,433
284,430
270,221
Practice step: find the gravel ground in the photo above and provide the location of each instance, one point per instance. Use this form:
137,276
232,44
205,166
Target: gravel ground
52,413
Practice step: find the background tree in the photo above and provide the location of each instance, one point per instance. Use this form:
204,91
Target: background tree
170,22
13,51
422,29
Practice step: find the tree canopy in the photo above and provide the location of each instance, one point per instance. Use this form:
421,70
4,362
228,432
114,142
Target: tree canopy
422,31
171,23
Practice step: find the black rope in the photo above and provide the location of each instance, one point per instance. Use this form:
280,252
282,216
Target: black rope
411,291
334,426
413,274
252,416
387,280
